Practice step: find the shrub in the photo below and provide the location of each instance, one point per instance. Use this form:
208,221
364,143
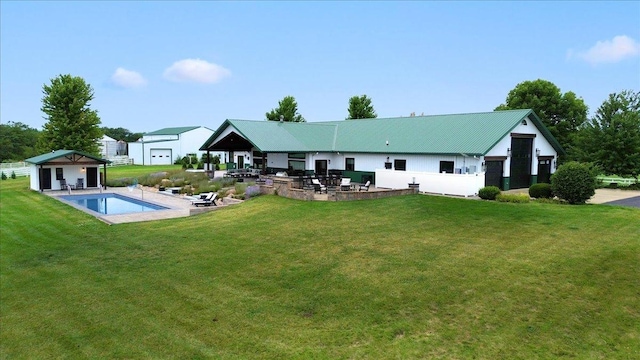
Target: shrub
13,174
513,198
489,192
3,176
574,182
541,191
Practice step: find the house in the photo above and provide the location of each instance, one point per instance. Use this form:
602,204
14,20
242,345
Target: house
452,154
50,171
162,147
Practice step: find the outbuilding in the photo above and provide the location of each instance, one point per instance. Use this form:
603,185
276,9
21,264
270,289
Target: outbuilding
451,154
162,147
66,169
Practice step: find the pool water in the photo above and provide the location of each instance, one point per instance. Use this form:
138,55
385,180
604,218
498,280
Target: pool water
111,204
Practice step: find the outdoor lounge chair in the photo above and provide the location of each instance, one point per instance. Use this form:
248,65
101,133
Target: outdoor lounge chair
365,187
345,184
318,187
63,184
210,199
80,183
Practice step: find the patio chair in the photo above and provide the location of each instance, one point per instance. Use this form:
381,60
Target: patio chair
210,199
345,184
80,183
365,187
318,187
63,184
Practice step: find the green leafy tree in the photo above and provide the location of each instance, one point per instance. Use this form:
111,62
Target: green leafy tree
561,113
611,139
121,134
360,108
17,141
71,123
288,109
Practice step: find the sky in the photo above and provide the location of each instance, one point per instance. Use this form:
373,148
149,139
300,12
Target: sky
164,64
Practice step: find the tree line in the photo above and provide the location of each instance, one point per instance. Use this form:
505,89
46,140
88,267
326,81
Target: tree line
610,139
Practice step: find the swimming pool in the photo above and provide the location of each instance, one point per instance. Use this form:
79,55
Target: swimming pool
111,204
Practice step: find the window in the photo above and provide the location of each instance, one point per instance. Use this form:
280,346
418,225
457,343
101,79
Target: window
387,165
59,175
296,165
400,165
297,156
350,164
446,167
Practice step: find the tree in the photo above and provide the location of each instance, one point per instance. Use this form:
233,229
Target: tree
17,141
561,113
71,124
611,139
121,134
288,108
360,108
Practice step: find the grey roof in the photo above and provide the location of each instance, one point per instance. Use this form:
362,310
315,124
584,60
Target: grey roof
471,134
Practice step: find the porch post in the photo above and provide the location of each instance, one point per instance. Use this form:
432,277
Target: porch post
264,163
104,180
40,178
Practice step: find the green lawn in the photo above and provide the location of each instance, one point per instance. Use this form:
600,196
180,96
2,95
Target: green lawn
405,277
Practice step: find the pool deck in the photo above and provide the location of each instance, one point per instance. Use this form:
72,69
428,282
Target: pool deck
179,205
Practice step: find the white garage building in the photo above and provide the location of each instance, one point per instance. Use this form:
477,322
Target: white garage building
162,147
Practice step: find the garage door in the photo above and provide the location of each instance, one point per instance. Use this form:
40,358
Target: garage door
160,157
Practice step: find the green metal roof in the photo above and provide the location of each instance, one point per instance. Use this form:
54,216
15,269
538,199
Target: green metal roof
172,130
44,158
471,134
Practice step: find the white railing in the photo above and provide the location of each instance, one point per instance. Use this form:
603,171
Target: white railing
19,168
446,184
120,160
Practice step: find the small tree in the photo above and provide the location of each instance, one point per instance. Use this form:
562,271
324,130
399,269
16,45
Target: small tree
3,176
288,109
360,108
71,122
13,174
611,139
574,182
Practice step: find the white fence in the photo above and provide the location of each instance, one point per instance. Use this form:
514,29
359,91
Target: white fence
120,160
447,184
609,180
19,168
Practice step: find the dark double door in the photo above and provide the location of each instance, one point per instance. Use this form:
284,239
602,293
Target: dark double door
521,156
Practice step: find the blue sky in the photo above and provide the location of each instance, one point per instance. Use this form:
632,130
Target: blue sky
162,64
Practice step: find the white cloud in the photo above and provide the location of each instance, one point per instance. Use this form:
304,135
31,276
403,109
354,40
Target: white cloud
128,79
195,70
608,51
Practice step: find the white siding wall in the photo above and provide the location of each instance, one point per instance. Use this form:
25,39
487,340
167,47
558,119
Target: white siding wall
135,152
191,141
277,160
425,163
71,173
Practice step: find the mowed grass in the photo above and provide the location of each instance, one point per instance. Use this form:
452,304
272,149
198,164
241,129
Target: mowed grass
405,277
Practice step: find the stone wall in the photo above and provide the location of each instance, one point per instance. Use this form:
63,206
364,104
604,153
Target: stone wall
365,195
